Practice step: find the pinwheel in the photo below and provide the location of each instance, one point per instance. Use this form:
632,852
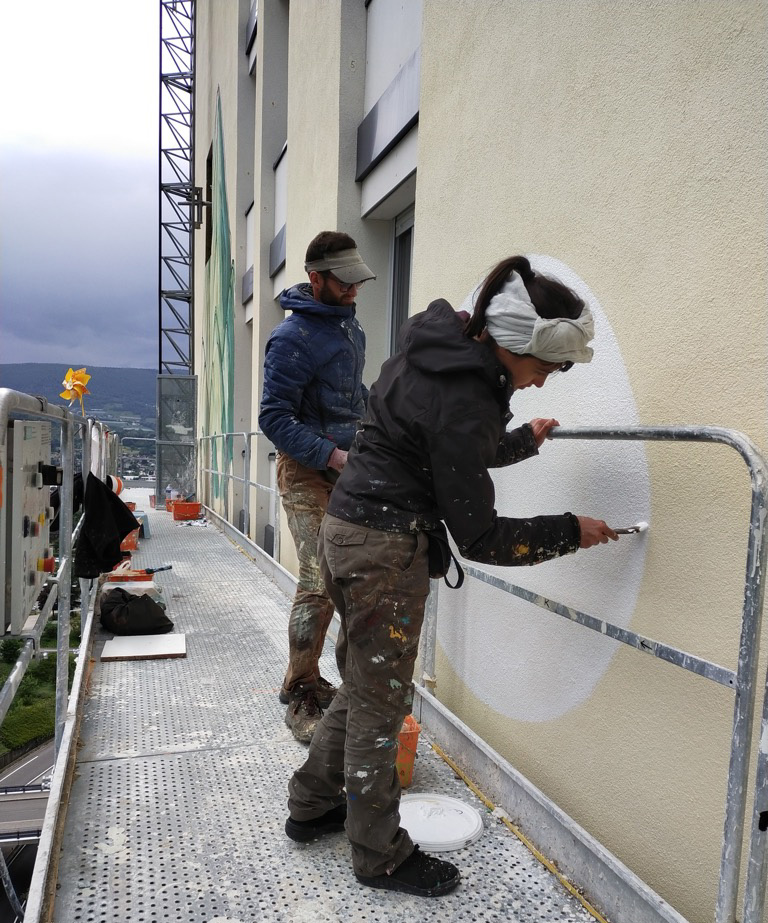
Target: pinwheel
75,385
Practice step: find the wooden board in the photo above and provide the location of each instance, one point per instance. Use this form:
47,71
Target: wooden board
145,647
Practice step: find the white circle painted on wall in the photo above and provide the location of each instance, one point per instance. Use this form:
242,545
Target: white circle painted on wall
524,662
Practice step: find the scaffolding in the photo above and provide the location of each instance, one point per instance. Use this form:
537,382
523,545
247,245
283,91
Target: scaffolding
180,211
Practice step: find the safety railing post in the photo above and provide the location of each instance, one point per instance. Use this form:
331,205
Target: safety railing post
743,710
87,435
65,580
246,483
757,862
10,891
429,633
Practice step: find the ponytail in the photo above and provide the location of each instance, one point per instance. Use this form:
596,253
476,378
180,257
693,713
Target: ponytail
550,298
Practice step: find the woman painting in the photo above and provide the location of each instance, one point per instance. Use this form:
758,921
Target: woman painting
436,422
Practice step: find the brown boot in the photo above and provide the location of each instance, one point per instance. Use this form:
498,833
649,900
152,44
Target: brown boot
325,693
303,714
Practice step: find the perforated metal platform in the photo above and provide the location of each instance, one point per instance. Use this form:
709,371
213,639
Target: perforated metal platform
179,800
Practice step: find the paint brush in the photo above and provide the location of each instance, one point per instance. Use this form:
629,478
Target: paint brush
155,570
631,530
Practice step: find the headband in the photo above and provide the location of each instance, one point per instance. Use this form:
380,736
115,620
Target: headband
513,323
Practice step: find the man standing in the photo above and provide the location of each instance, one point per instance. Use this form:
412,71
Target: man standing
312,402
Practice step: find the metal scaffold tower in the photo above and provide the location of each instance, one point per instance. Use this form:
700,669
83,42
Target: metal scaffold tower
180,205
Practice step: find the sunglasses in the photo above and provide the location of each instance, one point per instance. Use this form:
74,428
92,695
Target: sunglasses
344,286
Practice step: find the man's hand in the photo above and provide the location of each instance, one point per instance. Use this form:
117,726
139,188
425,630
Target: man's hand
541,429
338,459
594,532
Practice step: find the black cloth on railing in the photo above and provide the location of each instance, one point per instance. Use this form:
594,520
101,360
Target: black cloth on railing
107,521
77,500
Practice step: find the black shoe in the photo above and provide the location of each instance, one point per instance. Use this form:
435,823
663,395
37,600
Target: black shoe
330,822
420,874
303,714
325,693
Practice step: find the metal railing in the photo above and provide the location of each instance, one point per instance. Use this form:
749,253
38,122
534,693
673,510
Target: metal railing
743,681
93,435
207,472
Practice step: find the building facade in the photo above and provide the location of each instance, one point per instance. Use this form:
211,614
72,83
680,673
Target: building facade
622,146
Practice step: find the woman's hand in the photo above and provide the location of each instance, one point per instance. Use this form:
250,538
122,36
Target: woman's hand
541,429
595,532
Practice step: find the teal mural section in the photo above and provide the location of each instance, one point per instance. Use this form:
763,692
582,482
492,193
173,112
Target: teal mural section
218,377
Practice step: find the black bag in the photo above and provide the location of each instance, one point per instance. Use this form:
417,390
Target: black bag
123,613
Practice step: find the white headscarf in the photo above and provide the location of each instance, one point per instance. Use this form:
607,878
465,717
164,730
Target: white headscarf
513,323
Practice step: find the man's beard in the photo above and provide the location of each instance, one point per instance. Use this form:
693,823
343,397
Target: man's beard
326,296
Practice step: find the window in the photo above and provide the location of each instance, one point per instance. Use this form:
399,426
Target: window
248,274
277,247
209,199
401,274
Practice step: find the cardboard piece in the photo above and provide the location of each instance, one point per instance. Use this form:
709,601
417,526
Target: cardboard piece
145,647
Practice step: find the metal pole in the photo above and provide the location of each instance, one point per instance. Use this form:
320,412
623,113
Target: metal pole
10,891
65,551
429,634
247,484
86,453
757,865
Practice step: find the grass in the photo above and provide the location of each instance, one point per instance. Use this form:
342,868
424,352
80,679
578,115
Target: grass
33,711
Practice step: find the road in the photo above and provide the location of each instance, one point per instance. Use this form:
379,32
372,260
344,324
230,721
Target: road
30,768
23,812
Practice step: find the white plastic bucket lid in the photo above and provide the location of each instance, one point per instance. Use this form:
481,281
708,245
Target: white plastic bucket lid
439,823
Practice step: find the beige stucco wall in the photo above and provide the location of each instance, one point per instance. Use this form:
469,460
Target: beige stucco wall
628,141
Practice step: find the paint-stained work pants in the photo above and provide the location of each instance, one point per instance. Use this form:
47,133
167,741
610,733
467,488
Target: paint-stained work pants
304,492
379,583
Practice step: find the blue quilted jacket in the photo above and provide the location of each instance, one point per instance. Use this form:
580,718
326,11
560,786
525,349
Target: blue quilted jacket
313,393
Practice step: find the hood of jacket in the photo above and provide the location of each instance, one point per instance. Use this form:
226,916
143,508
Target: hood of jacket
300,300
434,342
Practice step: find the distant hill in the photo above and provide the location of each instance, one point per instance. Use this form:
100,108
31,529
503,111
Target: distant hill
116,394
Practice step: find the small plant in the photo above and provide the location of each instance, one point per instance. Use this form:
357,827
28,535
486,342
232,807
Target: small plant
10,650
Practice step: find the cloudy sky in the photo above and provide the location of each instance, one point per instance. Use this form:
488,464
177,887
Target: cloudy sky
78,182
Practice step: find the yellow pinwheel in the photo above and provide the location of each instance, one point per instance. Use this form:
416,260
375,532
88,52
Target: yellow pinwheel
75,385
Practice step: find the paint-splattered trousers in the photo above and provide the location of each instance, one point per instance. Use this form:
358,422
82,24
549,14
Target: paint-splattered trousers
304,493
379,583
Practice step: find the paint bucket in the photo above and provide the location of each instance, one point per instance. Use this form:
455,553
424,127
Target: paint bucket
130,542
407,742
439,823
185,510
130,504
152,500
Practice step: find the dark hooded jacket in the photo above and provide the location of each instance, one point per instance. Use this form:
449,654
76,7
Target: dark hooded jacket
313,396
436,423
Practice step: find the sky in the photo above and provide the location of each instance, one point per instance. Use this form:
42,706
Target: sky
78,182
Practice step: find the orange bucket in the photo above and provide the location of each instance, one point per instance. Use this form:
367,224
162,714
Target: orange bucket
185,510
407,742
130,504
152,500
169,505
131,541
